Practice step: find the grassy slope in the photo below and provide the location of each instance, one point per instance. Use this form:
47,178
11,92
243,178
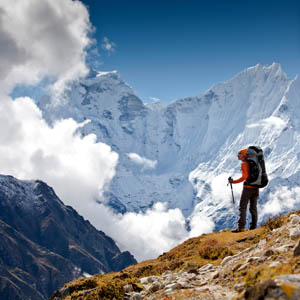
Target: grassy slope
189,256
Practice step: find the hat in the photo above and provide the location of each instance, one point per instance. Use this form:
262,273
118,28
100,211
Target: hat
243,152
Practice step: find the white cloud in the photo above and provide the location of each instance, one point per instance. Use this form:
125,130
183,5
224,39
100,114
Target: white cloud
282,200
108,45
148,234
272,123
78,168
42,39
142,161
220,191
47,39
200,224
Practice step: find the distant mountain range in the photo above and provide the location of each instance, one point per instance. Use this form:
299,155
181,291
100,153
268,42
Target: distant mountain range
44,244
182,153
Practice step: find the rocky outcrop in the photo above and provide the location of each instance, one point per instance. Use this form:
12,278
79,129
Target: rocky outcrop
284,287
44,244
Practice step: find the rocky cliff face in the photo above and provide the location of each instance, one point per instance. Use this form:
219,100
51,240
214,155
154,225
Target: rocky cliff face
257,264
45,243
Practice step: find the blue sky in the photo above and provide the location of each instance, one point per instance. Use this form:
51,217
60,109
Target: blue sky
174,49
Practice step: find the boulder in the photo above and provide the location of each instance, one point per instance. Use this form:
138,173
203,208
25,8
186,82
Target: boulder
155,286
173,286
128,288
293,279
269,252
226,260
295,233
295,219
136,296
297,249
150,279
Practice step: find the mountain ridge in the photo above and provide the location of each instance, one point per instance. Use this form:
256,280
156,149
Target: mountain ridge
45,243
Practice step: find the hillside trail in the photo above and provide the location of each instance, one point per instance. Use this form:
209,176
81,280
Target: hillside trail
262,264
227,280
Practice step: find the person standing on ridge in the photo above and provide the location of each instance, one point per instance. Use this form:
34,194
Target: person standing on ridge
249,194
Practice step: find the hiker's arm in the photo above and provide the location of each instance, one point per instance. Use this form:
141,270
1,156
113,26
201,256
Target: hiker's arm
245,173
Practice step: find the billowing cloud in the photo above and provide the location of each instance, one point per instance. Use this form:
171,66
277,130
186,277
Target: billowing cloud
221,191
108,45
200,224
284,199
142,161
272,123
77,167
47,39
42,39
148,234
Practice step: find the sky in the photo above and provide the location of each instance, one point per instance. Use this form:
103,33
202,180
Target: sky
173,49
164,50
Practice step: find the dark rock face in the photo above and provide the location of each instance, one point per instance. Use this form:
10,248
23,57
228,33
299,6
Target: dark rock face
44,244
120,261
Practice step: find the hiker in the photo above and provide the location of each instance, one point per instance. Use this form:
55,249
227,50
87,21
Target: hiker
249,194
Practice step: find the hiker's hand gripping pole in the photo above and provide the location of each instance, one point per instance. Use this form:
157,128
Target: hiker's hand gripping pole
230,182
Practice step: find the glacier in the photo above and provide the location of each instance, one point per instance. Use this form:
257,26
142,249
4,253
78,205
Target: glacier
182,153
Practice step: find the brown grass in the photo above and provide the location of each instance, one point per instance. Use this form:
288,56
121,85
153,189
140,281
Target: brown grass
189,256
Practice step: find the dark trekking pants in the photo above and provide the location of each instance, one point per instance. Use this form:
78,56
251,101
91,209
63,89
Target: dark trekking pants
248,195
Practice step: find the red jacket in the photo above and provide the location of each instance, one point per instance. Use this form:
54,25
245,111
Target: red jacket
245,175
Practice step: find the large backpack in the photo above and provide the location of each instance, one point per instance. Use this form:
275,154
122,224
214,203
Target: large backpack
258,175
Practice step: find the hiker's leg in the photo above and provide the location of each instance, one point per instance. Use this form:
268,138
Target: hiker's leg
243,208
253,208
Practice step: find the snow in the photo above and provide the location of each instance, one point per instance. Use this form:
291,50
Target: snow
106,73
23,193
192,142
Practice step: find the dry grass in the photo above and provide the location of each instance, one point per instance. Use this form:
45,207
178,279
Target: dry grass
264,272
189,256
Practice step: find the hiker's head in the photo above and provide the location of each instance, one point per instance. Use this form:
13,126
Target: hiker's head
242,155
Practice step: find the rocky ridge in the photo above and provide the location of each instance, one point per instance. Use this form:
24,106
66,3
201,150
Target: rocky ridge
257,264
44,243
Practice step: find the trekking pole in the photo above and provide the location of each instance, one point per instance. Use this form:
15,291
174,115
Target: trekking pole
231,190
232,193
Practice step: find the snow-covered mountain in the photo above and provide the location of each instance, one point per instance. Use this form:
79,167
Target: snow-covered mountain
183,152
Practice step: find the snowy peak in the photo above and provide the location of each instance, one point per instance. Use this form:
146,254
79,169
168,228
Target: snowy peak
157,105
99,94
267,72
93,73
253,94
289,108
108,81
229,107
190,141
27,193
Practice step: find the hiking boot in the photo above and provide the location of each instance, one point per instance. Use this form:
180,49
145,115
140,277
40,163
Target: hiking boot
252,228
238,230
